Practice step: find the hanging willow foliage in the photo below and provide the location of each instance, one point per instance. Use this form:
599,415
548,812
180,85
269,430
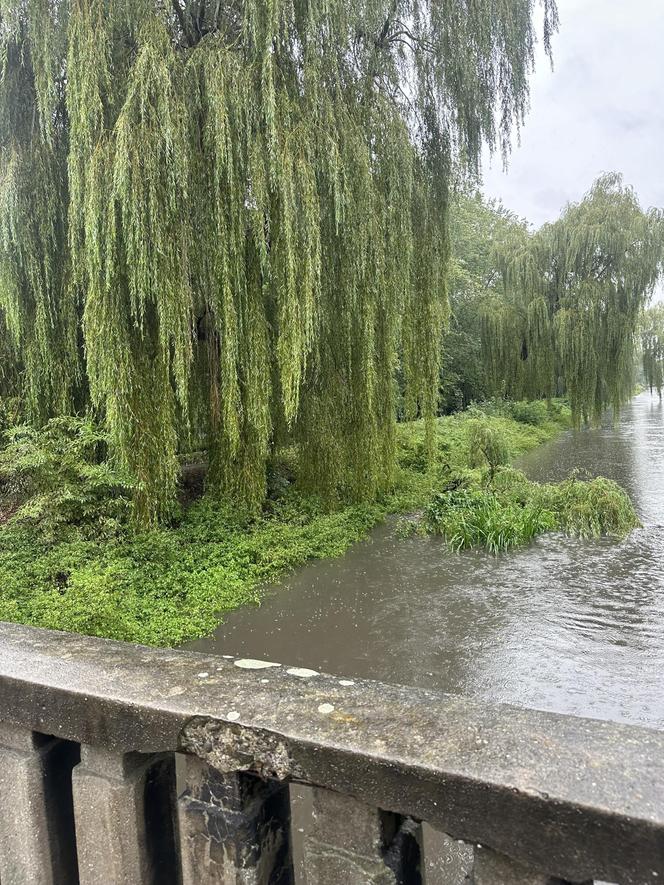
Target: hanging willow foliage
573,294
225,223
652,347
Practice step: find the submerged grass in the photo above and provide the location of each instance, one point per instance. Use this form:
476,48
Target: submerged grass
171,585
511,511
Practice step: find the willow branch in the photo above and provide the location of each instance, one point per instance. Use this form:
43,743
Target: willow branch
177,9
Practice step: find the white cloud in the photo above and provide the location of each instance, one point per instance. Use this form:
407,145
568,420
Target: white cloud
601,109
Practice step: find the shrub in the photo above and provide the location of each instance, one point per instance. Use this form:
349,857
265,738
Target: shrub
479,518
534,413
58,481
590,508
515,510
487,446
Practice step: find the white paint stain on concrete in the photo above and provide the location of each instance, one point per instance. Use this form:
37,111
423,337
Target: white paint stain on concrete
233,716
326,708
302,672
251,664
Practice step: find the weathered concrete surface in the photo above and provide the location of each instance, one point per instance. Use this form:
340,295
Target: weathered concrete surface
233,828
447,861
115,799
350,842
36,818
491,868
571,797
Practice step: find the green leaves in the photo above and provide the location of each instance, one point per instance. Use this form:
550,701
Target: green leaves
225,225
575,291
652,347
469,518
487,446
513,511
60,482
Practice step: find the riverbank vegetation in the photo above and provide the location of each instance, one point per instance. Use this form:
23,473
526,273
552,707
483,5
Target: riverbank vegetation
249,294
72,559
652,348
481,501
510,511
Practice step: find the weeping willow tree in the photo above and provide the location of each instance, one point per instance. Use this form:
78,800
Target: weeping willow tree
225,223
573,293
652,347
477,229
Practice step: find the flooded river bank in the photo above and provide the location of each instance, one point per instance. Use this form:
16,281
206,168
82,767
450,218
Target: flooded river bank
565,625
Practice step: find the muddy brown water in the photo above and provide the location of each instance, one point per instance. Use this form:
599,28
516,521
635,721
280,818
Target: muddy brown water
564,625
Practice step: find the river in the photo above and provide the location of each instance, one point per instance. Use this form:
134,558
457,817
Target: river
563,625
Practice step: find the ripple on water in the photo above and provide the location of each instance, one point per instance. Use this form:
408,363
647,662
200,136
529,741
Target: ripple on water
566,625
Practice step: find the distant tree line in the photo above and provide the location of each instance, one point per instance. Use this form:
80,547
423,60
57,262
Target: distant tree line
558,310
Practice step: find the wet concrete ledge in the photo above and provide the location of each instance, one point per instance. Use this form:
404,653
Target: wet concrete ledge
571,797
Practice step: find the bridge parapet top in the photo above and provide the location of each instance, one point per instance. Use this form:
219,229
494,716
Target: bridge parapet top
565,796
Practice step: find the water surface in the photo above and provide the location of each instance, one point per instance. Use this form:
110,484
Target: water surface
564,625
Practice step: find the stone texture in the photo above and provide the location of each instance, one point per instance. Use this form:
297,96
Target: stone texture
124,809
234,829
447,861
578,797
492,868
36,820
352,843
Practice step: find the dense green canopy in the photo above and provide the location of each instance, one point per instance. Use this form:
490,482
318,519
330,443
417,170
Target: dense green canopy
479,230
223,224
574,292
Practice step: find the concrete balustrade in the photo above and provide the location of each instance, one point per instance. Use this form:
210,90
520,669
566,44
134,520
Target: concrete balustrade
36,814
92,733
124,802
234,828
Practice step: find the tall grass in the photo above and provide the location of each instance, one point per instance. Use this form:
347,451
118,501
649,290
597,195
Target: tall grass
512,511
479,518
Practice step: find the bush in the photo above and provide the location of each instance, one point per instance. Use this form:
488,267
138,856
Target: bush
487,446
56,479
534,413
590,508
515,510
479,518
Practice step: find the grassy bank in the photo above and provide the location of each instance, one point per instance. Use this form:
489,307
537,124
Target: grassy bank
168,586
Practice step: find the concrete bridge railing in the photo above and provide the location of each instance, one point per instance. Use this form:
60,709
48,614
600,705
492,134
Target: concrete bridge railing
93,731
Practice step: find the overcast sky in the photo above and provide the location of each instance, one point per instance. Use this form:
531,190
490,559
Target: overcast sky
601,109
